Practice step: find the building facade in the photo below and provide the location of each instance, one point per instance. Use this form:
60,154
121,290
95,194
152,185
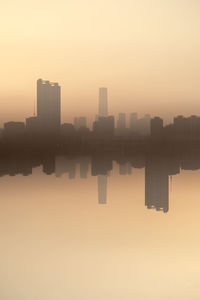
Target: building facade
48,106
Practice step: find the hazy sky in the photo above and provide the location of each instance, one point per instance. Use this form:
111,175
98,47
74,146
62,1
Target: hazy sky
147,52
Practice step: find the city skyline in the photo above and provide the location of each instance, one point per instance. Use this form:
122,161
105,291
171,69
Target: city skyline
145,52
100,149
48,106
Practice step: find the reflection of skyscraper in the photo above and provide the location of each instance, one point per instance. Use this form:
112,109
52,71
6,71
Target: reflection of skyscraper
48,105
65,165
84,166
102,189
125,168
156,184
103,102
49,164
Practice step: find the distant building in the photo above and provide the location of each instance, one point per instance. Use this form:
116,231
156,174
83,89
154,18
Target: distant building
143,125
194,127
140,126
121,124
14,129
32,124
104,127
156,127
187,128
133,122
76,123
48,106
103,102
180,126
80,122
67,130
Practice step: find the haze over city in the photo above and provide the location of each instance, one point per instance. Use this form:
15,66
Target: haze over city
145,52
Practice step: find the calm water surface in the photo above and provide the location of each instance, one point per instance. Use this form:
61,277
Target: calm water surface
58,242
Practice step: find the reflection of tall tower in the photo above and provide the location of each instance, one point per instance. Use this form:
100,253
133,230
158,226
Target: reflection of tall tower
48,105
156,184
103,102
102,189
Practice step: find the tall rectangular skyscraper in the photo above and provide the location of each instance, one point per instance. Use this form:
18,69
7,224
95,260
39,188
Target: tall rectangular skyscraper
103,102
48,106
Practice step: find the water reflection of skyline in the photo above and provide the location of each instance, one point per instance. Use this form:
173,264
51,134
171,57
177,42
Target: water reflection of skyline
158,169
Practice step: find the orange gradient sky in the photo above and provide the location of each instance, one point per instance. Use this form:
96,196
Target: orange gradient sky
145,51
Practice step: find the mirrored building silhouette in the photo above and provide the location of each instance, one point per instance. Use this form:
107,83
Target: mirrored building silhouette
156,184
102,189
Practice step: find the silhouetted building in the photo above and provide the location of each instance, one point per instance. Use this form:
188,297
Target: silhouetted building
32,125
187,128
103,102
133,122
121,124
67,130
14,129
156,127
180,127
194,127
48,106
80,122
76,123
104,127
143,125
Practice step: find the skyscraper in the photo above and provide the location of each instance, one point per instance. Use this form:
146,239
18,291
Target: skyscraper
48,106
103,102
